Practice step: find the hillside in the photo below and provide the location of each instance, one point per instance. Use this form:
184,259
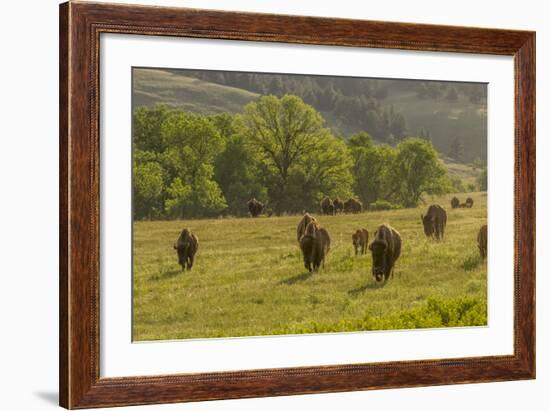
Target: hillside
445,120
152,86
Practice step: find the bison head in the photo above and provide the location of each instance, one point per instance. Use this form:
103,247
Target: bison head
428,223
379,260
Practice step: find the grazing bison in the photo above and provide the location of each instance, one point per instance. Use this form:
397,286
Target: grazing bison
482,241
353,206
338,205
469,202
455,202
302,225
186,246
435,221
360,239
386,249
315,244
327,206
255,207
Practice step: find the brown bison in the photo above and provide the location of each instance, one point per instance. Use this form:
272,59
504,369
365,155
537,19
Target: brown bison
386,249
353,206
435,221
360,240
482,241
469,202
302,225
327,206
455,202
315,244
255,207
186,246
338,205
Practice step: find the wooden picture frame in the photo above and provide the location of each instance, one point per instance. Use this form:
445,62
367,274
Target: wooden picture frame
80,27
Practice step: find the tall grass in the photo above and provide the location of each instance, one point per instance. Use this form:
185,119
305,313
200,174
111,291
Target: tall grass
249,278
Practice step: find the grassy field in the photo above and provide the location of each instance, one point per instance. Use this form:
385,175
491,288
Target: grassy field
249,277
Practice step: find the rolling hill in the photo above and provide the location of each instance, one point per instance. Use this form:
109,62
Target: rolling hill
152,86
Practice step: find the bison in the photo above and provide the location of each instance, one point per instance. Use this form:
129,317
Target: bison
327,206
255,207
482,241
455,202
353,206
360,240
186,247
434,222
469,202
338,205
302,225
386,249
315,244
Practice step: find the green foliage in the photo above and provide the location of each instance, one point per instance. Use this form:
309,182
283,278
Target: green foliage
148,189
372,166
380,205
417,170
277,151
174,154
301,161
482,180
458,185
435,313
471,262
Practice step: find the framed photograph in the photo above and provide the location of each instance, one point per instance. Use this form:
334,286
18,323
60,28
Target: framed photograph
259,205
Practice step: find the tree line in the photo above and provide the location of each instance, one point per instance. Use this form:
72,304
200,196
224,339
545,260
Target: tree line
277,150
358,103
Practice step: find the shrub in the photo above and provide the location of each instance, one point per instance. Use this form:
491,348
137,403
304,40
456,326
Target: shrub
380,205
434,313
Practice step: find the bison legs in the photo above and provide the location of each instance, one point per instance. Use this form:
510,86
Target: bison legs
190,261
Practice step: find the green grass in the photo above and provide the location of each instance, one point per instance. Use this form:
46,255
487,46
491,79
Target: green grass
152,86
249,277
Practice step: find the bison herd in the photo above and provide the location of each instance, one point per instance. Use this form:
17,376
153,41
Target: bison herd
314,240
455,203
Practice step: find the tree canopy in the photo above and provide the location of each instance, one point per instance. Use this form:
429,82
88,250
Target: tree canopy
277,150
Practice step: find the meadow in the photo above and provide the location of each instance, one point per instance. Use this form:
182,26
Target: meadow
249,277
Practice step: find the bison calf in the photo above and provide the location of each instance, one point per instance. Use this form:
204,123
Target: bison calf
315,244
386,249
434,222
360,239
186,246
482,241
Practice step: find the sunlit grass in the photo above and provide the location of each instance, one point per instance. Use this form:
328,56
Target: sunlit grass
249,278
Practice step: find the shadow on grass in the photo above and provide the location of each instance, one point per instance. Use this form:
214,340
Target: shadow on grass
369,286
297,278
